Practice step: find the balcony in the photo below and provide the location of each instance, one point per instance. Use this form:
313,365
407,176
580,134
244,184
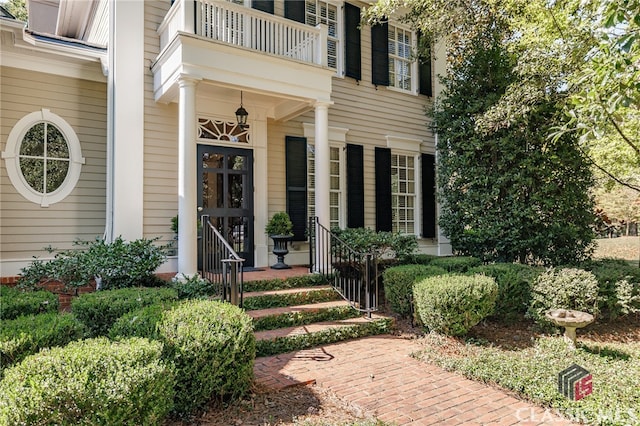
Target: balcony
226,45
240,26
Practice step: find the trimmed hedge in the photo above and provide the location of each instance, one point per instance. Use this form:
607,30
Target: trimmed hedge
266,301
612,275
514,287
563,288
100,310
452,304
456,264
89,382
213,348
16,302
27,334
398,285
142,322
304,317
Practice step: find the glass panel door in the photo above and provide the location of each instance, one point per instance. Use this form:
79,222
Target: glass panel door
225,193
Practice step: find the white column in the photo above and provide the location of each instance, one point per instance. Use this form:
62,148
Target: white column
322,183
126,124
187,180
322,163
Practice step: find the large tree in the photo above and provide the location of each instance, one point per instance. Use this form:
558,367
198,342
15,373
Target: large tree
508,192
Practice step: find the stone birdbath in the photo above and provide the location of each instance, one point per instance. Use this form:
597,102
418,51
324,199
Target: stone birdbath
570,320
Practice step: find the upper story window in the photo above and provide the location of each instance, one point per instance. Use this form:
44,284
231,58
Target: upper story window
394,63
401,65
322,12
314,12
43,157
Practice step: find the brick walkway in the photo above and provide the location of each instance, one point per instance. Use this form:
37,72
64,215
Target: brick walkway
378,375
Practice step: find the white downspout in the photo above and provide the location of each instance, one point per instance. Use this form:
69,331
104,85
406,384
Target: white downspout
108,231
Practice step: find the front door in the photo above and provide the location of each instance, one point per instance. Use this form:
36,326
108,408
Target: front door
225,193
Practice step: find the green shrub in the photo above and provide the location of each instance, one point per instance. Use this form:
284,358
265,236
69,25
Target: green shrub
100,310
212,346
90,382
452,304
118,264
383,244
398,285
563,288
142,322
28,334
420,259
195,287
456,264
514,287
290,299
15,302
618,286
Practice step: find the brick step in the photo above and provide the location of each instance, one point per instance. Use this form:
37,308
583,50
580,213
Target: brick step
286,291
314,307
313,328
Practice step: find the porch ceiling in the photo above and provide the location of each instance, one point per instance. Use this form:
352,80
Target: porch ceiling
287,87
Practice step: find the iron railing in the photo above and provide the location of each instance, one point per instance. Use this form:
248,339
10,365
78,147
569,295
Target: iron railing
353,274
221,265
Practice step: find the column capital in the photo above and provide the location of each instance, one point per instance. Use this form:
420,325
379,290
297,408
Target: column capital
322,104
185,80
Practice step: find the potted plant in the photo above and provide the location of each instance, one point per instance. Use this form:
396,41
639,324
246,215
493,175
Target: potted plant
280,228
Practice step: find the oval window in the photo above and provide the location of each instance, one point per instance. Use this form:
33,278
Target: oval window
43,157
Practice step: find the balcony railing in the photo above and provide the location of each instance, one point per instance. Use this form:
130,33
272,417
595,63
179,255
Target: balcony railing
241,26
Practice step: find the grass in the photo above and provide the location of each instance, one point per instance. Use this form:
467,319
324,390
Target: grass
533,373
627,248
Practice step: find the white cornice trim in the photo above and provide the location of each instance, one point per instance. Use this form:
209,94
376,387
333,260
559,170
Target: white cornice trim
336,134
403,143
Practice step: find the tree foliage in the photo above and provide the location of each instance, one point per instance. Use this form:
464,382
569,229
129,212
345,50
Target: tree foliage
507,191
18,8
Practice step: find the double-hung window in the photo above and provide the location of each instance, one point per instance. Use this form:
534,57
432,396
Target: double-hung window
403,193
335,184
402,68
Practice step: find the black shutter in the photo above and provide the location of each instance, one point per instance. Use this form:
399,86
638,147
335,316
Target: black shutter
296,181
428,196
353,66
294,10
380,54
424,71
263,5
355,186
383,190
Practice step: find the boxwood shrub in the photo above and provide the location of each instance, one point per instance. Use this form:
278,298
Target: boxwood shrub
452,304
514,287
457,264
16,302
398,285
213,348
100,310
614,277
563,288
89,382
28,334
142,322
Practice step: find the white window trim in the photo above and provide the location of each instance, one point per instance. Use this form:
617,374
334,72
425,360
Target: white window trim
12,159
414,63
410,147
337,139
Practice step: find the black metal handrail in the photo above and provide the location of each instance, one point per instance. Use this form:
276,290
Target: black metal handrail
221,265
353,274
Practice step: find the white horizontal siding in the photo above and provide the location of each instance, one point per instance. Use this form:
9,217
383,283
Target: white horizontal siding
25,227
